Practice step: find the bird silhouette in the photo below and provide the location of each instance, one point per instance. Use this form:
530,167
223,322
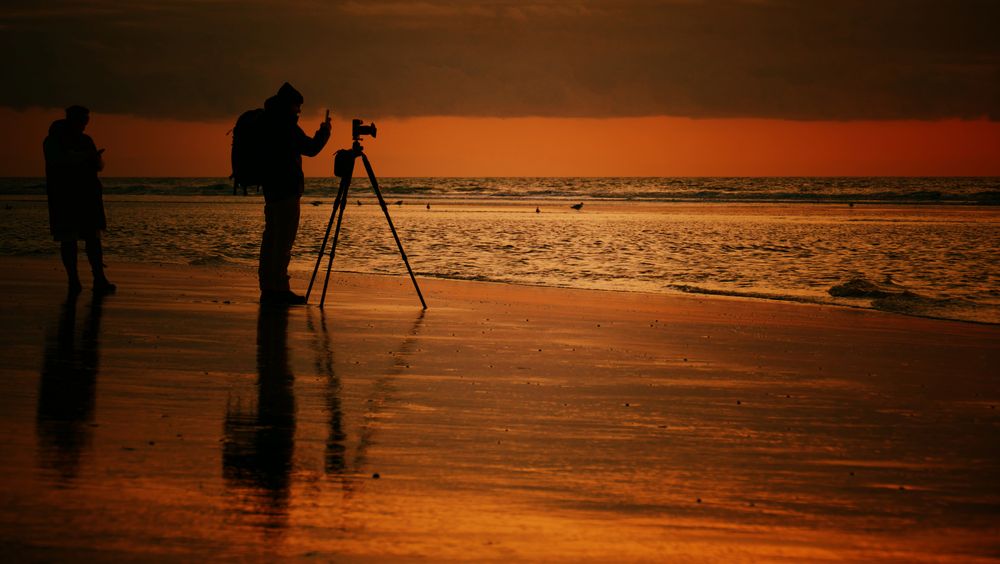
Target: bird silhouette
538,210
577,207
428,206
398,202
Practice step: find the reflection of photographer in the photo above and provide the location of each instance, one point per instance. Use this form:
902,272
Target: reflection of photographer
259,445
283,182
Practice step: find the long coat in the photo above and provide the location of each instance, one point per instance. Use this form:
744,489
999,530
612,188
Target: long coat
76,205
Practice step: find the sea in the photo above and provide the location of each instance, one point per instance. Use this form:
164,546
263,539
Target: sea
915,246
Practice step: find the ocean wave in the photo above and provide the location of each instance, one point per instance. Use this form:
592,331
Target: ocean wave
973,190
909,303
896,298
691,289
213,261
887,296
861,287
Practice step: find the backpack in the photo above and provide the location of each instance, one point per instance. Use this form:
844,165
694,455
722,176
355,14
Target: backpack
248,151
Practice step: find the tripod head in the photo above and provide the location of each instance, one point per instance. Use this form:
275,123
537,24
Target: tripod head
343,160
358,129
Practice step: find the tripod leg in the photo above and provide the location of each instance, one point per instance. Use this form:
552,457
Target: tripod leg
381,202
336,235
338,201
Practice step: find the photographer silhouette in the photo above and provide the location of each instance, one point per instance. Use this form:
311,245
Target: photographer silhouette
283,182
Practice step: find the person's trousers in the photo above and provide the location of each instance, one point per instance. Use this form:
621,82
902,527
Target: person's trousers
281,223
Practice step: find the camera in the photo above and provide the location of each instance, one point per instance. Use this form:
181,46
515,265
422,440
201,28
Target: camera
358,129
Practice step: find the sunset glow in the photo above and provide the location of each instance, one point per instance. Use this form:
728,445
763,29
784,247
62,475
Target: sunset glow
470,147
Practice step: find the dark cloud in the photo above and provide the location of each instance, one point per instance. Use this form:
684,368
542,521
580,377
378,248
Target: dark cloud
795,59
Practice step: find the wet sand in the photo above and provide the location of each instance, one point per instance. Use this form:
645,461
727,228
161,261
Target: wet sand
177,420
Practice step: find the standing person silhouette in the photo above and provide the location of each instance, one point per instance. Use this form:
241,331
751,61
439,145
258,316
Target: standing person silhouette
284,183
76,205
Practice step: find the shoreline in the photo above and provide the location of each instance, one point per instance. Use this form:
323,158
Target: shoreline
303,276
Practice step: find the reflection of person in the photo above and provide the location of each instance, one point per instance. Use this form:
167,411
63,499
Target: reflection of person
76,207
284,183
259,443
335,449
67,388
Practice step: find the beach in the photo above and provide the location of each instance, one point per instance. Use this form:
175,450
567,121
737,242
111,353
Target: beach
178,420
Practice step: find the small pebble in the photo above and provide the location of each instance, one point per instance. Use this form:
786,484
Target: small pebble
376,476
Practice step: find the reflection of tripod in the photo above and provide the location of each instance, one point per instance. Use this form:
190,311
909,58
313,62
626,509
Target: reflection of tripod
344,168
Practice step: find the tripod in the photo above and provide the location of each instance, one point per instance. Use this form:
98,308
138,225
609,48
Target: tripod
344,168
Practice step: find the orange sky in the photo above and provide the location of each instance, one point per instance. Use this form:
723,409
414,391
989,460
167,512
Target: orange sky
452,146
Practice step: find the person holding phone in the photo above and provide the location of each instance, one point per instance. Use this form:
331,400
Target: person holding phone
283,183
75,196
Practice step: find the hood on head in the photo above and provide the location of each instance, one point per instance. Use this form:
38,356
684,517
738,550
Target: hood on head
288,93
282,102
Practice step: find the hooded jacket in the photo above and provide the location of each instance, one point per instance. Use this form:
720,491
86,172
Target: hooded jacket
73,188
285,144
